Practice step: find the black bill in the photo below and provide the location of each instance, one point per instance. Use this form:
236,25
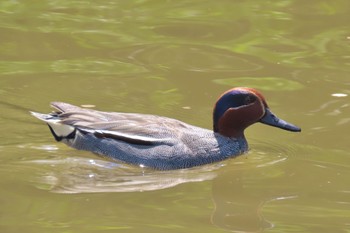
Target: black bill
270,119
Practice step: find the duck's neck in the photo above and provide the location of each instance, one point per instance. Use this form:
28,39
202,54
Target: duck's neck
241,140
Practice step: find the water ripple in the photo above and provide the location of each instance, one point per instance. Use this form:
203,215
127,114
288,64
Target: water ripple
186,57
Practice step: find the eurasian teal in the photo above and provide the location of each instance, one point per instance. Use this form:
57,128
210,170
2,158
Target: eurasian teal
161,142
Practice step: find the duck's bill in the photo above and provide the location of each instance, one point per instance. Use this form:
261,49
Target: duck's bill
270,119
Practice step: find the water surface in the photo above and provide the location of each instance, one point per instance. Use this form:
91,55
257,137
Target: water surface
174,58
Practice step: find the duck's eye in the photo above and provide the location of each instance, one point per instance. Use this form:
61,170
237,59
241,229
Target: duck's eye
249,99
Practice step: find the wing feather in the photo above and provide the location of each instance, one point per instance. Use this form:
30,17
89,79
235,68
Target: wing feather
129,127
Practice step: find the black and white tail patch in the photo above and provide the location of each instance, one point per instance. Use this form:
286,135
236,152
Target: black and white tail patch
59,138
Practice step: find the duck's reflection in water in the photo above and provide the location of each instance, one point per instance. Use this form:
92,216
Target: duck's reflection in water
81,175
236,208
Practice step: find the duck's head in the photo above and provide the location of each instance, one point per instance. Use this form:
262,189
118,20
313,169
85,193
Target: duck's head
238,108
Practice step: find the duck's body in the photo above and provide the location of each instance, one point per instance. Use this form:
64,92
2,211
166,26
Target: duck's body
161,142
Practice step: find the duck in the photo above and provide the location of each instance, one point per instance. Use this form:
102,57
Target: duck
160,142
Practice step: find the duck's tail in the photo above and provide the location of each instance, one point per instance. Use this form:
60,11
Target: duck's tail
58,129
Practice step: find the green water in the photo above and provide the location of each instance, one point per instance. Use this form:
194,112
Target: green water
174,58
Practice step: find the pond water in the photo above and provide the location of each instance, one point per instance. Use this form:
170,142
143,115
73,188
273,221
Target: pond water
174,58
